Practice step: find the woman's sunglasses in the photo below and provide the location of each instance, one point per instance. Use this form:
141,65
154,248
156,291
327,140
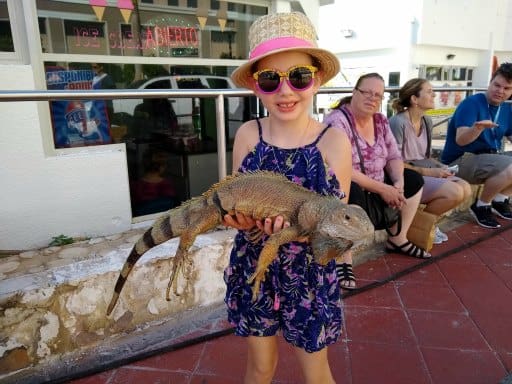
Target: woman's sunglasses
299,78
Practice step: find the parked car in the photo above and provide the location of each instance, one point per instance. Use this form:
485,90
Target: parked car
182,106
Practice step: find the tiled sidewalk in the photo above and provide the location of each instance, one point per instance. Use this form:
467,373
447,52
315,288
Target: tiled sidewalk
448,322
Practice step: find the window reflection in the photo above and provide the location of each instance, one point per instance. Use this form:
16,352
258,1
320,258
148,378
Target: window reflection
181,131
171,143
150,29
143,119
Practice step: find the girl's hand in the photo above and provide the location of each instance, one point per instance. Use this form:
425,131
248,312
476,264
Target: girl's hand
270,226
239,221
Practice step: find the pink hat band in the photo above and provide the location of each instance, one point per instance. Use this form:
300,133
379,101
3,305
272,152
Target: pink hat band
279,43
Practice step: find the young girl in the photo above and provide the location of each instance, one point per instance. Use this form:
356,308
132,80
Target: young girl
413,132
299,298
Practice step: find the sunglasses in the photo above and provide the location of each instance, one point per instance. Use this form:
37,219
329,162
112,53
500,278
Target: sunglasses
299,78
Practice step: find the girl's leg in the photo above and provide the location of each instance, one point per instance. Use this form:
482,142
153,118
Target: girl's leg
261,359
315,366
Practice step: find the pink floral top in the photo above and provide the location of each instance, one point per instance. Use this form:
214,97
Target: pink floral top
375,156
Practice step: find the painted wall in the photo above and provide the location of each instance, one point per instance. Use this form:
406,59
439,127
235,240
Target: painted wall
357,26
458,23
81,193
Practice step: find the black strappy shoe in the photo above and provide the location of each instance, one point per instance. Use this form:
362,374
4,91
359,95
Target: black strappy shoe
345,275
407,249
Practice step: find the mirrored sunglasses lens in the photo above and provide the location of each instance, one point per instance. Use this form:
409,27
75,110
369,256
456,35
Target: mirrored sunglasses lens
300,78
268,81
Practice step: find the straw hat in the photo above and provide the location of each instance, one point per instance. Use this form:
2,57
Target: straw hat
283,32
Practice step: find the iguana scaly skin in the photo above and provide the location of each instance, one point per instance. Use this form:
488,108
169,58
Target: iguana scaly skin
332,226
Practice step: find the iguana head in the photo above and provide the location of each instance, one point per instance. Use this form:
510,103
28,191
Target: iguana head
340,227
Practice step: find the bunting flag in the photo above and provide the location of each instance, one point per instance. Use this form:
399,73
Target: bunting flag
98,6
202,21
126,8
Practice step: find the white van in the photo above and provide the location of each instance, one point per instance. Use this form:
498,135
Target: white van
182,106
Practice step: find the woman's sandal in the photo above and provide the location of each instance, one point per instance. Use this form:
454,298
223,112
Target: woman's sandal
346,274
408,249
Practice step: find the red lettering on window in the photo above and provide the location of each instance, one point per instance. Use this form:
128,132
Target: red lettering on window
149,39
152,37
95,43
177,37
161,39
193,37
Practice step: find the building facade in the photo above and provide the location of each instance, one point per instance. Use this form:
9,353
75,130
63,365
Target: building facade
449,42
92,168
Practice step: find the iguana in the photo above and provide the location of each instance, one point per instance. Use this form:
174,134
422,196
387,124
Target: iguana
332,226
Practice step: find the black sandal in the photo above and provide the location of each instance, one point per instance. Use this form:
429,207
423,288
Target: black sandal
408,249
345,274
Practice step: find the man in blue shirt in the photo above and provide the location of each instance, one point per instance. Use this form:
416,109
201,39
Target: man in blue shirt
473,142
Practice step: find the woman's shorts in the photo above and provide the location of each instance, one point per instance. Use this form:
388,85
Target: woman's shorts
432,184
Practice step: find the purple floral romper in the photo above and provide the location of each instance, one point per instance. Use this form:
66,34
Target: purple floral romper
298,296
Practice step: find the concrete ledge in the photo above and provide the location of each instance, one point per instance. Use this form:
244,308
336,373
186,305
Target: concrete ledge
59,306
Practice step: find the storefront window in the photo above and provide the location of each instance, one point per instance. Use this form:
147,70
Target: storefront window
6,42
98,122
171,143
134,29
145,28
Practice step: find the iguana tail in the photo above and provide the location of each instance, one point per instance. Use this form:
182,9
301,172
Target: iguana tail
144,244
187,221
161,231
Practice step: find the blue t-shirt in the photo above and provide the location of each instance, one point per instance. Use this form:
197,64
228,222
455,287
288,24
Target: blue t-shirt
475,108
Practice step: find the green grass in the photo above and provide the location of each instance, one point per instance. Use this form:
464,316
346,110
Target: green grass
61,240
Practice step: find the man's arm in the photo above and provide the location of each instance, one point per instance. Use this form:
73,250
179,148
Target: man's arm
466,135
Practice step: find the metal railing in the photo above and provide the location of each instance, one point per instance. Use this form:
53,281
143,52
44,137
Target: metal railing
218,94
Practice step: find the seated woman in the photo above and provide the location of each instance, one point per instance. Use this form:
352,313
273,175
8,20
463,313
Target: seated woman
369,131
413,132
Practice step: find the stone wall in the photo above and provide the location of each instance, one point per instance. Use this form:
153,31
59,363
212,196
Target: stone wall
53,301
